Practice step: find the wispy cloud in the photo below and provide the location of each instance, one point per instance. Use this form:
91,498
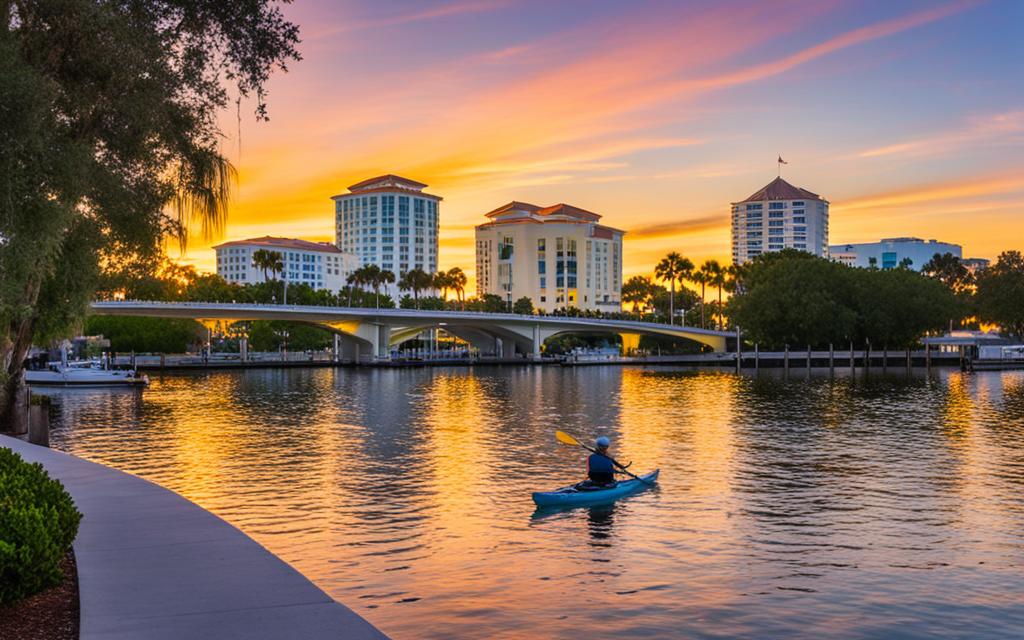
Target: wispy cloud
680,227
945,191
430,13
980,131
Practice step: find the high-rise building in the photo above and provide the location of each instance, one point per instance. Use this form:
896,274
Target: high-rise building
558,256
390,222
779,216
321,265
889,253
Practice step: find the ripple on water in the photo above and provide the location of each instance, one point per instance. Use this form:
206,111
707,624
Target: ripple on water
880,506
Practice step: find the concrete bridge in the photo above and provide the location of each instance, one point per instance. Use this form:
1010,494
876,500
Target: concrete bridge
367,335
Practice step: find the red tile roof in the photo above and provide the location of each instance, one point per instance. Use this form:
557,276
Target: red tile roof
284,243
363,192
390,176
779,189
570,211
513,206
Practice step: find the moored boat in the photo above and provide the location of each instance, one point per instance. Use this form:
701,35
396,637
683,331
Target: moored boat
83,375
577,494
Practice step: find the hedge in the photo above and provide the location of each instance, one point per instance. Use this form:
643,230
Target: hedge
38,523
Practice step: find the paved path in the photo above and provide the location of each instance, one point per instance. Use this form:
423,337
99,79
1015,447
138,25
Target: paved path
153,565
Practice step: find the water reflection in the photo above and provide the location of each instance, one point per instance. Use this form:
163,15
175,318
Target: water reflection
788,506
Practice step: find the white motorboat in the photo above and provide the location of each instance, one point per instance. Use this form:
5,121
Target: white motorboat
83,374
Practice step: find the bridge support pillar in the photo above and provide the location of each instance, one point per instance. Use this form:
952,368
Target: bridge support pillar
630,343
337,348
243,349
499,350
383,342
536,343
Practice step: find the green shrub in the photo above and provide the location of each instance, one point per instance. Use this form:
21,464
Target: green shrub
38,523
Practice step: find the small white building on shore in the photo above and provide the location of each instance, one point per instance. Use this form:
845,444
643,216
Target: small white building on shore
321,265
889,253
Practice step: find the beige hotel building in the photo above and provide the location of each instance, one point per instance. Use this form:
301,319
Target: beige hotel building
558,256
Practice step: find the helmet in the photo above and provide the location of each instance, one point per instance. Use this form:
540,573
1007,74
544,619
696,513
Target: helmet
603,442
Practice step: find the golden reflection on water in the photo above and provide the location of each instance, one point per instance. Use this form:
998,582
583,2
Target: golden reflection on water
799,506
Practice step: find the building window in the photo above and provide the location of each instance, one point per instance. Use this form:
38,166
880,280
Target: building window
776,205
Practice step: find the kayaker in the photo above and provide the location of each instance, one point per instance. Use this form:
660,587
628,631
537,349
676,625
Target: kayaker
600,469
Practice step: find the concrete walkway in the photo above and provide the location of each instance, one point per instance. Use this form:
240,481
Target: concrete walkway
152,564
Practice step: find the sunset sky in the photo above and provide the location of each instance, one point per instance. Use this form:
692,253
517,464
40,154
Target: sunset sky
908,116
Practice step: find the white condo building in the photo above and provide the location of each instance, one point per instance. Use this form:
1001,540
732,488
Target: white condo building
321,265
558,256
889,253
390,222
779,216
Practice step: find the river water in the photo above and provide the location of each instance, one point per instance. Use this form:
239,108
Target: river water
856,507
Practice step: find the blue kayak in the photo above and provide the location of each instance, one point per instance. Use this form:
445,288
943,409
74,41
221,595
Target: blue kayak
575,495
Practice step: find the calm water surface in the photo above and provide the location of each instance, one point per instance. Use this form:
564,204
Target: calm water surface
878,507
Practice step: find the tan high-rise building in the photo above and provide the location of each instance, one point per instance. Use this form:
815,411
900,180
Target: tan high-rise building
558,256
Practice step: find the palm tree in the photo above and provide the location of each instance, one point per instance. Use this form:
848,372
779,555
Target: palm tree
442,283
671,268
458,282
636,291
353,280
415,280
263,260
271,261
369,274
716,278
383,277
700,277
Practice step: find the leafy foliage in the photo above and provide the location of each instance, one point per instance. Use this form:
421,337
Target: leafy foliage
146,335
794,298
1000,294
38,524
523,306
109,142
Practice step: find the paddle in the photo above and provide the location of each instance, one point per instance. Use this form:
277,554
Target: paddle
565,438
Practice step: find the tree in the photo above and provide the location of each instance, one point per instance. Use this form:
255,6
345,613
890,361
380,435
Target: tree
266,260
950,271
671,268
792,297
715,276
442,282
1000,293
523,306
415,280
457,280
792,300
109,142
146,335
702,278
492,303
637,291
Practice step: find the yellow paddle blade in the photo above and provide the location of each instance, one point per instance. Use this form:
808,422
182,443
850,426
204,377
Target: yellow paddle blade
565,438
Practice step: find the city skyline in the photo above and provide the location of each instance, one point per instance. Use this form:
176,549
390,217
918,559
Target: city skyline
658,118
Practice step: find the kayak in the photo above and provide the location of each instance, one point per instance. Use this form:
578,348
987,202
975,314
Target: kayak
573,495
